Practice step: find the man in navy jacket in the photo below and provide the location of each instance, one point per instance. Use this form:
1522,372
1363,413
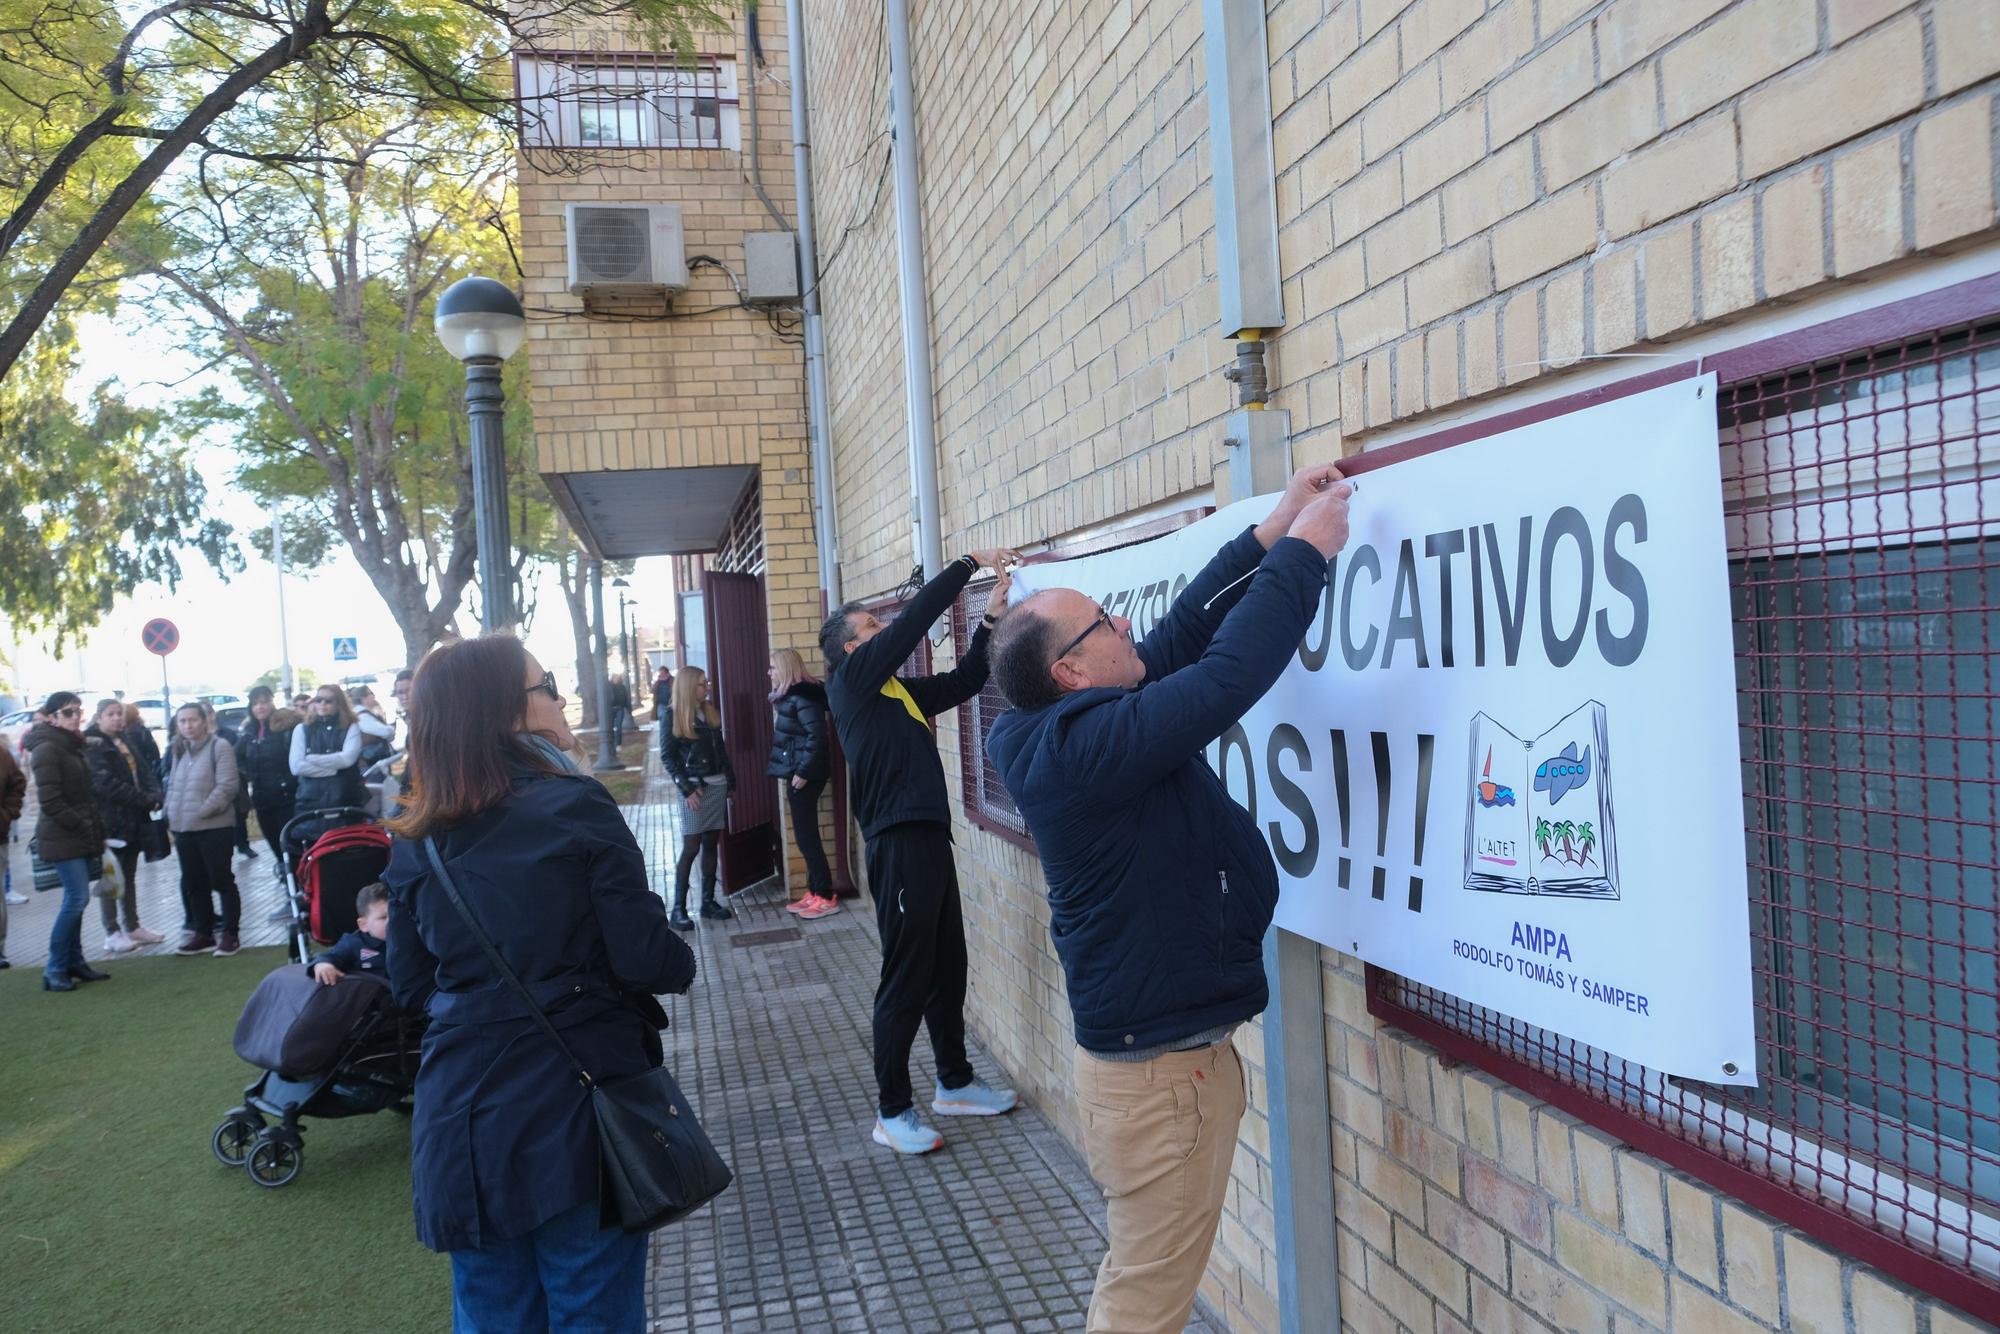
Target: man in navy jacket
905,815
1160,886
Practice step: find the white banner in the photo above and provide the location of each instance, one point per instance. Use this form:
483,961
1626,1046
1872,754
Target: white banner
1504,762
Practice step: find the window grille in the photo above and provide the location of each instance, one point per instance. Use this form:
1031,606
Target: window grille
987,802
624,100
1862,499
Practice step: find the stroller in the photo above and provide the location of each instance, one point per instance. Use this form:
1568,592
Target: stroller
343,1050
329,856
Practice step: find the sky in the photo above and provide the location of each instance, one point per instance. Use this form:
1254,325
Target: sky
230,630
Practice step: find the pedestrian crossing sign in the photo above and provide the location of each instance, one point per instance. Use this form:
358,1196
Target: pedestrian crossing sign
345,650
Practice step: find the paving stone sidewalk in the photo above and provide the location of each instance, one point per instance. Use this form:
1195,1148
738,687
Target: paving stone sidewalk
1001,1230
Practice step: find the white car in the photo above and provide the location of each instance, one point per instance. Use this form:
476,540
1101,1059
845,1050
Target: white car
14,728
152,712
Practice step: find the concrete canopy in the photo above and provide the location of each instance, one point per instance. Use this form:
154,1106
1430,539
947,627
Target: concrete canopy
635,512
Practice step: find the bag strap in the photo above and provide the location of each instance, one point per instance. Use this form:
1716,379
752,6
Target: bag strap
500,964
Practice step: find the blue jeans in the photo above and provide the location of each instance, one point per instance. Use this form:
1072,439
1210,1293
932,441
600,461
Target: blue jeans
568,1276
66,937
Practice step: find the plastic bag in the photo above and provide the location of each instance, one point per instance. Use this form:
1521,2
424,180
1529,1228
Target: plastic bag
111,880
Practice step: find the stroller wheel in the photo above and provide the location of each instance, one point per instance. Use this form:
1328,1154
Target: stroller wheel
274,1162
234,1136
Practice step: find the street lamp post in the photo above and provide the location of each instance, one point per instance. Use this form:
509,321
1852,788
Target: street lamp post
480,322
624,635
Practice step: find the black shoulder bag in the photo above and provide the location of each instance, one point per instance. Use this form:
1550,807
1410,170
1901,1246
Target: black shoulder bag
657,1163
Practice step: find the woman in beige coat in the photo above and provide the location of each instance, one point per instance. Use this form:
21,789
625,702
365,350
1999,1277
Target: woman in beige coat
201,813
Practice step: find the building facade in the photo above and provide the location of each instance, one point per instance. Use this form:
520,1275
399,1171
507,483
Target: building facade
1485,208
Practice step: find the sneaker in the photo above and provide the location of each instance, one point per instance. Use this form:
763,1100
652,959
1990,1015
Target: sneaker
120,943
907,1134
143,935
194,943
818,907
978,1098
796,907
227,944
16,899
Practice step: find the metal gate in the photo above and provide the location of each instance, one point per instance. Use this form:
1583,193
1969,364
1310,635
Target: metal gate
739,674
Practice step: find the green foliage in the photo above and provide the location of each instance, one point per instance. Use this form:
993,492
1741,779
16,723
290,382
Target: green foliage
99,498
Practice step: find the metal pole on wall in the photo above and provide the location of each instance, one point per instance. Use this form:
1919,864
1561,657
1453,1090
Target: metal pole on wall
826,528
600,668
918,398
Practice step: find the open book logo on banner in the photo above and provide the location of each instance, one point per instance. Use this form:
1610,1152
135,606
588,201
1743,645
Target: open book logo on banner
1560,837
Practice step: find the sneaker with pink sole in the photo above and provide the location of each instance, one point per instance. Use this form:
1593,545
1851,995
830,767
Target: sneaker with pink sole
141,935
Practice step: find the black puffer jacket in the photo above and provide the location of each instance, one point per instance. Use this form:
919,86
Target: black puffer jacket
127,789
70,825
264,756
688,762
798,741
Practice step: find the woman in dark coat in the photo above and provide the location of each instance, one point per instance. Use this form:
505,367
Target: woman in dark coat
263,761
128,793
504,1143
69,835
694,756
801,760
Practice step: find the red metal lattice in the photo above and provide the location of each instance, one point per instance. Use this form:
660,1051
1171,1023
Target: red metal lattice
1862,496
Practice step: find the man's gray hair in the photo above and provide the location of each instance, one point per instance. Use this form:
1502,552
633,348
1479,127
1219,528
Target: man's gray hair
1024,648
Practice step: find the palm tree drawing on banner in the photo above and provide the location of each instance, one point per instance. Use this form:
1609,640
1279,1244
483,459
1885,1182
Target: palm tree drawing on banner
1588,837
1543,832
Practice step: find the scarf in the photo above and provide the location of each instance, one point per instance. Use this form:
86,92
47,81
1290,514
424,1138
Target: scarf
547,750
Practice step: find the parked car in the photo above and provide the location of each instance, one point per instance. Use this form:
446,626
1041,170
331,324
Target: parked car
14,728
152,712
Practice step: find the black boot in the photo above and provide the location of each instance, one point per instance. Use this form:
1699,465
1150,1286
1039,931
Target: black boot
710,909
679,918
83,972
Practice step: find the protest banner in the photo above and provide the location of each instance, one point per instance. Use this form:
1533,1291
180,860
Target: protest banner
1504,760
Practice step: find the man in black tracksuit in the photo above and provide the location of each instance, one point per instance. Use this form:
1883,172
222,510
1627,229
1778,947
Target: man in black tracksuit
905,814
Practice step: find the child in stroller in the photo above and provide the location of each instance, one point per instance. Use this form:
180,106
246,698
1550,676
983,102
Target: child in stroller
331,1042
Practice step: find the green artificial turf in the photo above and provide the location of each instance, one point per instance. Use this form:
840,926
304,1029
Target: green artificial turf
114,1214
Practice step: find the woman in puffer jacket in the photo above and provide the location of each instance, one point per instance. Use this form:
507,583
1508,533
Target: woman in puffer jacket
69,834
693,755
264,763
801,761
128,793
201,813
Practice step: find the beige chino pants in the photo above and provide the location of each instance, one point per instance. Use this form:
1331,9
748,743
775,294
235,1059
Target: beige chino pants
1159,1136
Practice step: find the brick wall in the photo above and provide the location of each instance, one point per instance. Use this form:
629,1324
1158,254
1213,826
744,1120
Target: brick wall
1471,196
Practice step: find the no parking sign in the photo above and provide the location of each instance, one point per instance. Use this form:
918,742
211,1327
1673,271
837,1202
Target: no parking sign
160,636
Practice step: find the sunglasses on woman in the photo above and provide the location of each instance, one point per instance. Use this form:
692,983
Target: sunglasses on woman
547,685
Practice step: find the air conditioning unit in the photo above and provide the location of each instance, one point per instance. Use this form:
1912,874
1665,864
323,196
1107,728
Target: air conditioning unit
626,248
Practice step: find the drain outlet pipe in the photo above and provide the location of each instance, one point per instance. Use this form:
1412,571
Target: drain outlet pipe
919,401
819,426
750,100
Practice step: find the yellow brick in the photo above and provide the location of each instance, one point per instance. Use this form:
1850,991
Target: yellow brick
1362,78
1440,388
1793,222
1596,1175
1879,1308
1560,1298
1968,41
1367,199
1631,30
1520,359
1432,1268
1668,264
1403,241
1335,280
1488,49
1953,172
1444,150
1671,177
1551,233
1692,1210
1617,1271
1749,1259
1494,189
1845,18
1615,300
1599,128
1373,319
1871,80
1867,206
1728,258
1751,42
1482,375
1639,1201
1409,379
1451,282
1542,87
1562,323
1400,112
1695,1310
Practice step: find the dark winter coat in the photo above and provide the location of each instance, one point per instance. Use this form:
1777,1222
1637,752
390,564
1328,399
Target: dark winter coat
689,760
13,792
264,756
798,734
356,952
621,696
327,759
503,1136
1160,885
70,825
883,719
127,790
139,740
